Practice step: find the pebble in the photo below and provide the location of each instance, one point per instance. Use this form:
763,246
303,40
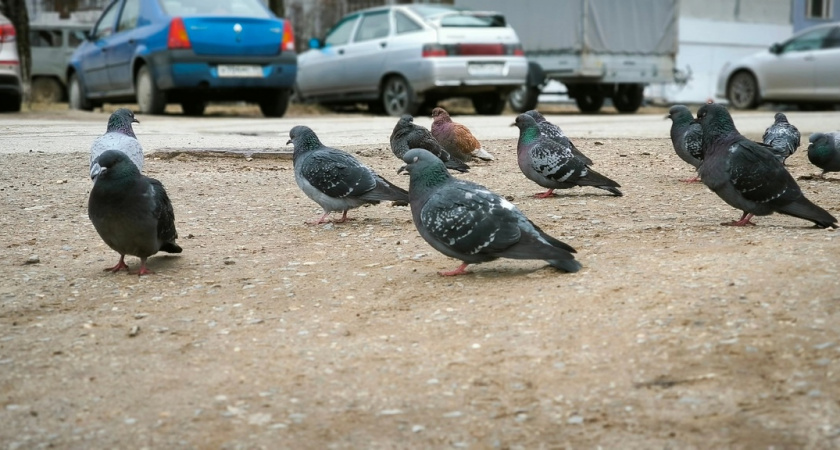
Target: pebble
33,259
134,331
575,420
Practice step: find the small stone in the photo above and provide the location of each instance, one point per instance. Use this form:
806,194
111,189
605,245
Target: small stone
390,412
417,428
134,331
575,420
229,262
33,259
139,316
453,414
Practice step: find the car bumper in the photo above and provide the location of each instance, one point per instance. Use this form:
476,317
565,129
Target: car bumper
10,80
451,73
183,70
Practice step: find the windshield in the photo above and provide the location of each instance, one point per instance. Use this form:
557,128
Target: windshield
453,17
239,8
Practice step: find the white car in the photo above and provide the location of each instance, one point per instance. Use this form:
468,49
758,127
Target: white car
400,58
11,87
802,70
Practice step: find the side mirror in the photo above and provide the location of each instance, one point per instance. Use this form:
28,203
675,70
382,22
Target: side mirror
315,43
776,48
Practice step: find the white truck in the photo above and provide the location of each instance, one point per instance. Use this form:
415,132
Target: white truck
596,48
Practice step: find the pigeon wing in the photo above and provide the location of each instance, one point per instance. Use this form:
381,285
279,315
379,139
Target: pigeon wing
556,162
338,174
694,141
759,176
163,212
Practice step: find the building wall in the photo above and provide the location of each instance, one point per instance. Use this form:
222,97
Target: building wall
800,22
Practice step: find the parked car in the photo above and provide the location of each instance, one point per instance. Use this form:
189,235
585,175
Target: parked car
52,45
400,58
802,70
11,86
190,52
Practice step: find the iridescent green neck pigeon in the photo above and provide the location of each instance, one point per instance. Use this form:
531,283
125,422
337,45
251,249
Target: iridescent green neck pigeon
554,133
824,151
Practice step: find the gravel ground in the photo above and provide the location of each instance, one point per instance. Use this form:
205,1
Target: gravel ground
267,332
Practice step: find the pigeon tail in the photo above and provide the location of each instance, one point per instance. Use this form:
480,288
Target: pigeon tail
457,164
599,181
612,190
482,154
387,192
567,265
171,247
804,209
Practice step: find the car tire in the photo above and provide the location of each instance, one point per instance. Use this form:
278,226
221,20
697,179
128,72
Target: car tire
150,99
489,104
742,91
398,97
47,90
77,96
524,98
590,102
193,107
628,97
276,105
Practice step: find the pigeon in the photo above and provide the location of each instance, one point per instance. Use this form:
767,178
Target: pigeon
336,180
407,135
782,136
456,138
824,151
119,136
552,165
131,212
464,220
554,133
747,176
686,136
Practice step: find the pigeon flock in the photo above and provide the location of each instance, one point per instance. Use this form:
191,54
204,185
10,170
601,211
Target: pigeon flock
462,219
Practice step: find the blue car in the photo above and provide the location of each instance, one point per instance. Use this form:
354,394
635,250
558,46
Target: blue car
155,52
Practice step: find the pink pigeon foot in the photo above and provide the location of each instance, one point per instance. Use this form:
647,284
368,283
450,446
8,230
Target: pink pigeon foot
545,194
459,271
120,265
743,222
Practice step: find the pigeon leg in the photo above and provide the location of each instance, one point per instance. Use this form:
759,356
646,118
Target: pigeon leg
143,269
323,219
545,194
691,180
120,265
459,271
343,218
744,221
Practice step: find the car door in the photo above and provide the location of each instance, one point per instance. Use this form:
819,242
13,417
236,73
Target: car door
791,74
321,71
93,63
120,48
827,68
365,55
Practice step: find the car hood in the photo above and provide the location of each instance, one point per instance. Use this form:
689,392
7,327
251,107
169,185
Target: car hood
234,35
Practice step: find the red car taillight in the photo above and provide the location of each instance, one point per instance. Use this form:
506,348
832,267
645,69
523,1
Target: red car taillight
7,33
178,37
288,44
436,50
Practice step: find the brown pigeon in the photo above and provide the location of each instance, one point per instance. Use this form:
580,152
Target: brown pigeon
456,138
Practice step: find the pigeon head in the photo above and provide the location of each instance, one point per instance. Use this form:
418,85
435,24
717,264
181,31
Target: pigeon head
715,121
425,169
539,118
112,164
304,139
780,117
820,144
121,121
440,115
679,114
529,131
406,119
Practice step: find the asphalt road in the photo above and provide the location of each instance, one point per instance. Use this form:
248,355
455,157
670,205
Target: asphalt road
64,131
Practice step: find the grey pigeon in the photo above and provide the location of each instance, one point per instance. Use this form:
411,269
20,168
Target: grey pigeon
554,133
336,180
686,136
131,212
552,165
782,136
119,136
456,138
824,151
747,176
466,221
408,135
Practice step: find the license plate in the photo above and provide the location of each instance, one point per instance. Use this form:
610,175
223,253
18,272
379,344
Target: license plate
228,71
485,69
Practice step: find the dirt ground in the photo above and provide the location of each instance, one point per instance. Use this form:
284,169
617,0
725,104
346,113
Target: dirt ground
270,333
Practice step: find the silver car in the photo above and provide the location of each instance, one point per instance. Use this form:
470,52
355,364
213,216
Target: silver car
802,70
398,59
11,88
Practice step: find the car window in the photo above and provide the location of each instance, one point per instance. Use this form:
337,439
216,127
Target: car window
239,8
340,33
75,37
105,26
833,40
373,26
45,38
405,24
811,40
129,16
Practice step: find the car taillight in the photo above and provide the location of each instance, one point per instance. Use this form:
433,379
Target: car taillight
288,44
433,50
178,37
515,50
7,33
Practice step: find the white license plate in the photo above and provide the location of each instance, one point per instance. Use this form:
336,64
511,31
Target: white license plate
485,69
227,71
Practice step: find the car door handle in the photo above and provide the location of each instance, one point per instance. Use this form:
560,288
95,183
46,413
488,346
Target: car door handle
383,44
340,51
809,58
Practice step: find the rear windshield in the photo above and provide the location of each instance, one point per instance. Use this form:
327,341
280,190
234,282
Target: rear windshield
452,17
238,8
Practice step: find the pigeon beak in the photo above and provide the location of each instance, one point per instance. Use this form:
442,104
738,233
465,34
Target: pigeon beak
513,124
288,142
95,171
134,120
402,169
667,117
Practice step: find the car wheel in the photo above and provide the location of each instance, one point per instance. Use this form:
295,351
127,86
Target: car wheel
491,104
398,97
742,91
77,96
47,90
525,98
276,105
150,99
628,97
590,102
193,107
